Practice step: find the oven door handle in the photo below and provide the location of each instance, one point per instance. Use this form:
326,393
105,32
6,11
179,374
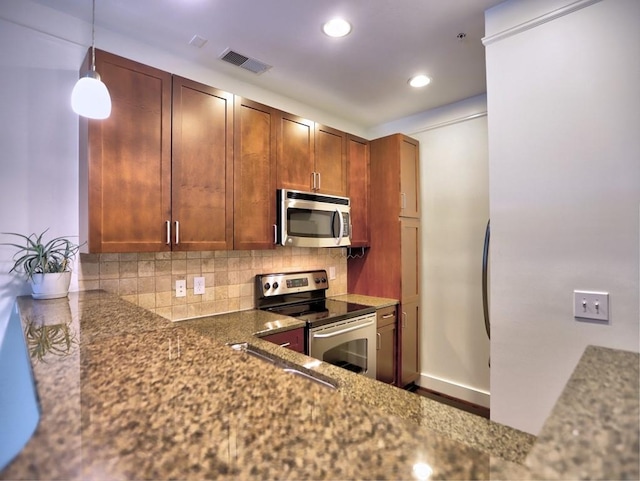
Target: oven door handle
341,331
341,235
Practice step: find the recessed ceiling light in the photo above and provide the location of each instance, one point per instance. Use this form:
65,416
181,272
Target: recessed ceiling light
419,81
337,27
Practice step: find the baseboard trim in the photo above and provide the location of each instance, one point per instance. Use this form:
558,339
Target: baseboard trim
453,402
455,390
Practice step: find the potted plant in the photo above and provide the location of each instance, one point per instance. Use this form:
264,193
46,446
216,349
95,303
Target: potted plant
47,266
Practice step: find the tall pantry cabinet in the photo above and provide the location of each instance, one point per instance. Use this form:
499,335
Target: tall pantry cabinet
390,267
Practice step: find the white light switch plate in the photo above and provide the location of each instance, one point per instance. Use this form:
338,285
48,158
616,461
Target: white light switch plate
181,288
198,285
591,305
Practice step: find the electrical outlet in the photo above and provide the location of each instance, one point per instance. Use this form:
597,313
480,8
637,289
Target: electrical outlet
181,288
198,285
332,273
591,305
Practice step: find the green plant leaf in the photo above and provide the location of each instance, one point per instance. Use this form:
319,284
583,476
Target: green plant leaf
36,257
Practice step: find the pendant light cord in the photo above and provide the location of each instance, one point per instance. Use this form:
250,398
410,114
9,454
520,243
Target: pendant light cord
93,37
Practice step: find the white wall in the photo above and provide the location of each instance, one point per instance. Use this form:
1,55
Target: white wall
39,139
455,210
564,118
454,184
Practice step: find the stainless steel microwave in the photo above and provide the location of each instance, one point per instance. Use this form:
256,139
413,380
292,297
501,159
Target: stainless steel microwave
307,219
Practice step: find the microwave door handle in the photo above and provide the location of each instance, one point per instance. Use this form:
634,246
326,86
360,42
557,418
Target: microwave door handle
341,235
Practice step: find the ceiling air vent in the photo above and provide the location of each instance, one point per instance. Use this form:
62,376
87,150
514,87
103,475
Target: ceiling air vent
247,63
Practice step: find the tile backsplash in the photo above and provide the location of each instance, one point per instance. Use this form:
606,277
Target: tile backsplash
148,279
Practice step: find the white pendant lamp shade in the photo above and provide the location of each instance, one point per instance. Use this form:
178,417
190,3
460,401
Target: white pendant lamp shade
90,97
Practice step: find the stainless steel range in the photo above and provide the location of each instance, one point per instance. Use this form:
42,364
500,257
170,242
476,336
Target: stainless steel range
337,332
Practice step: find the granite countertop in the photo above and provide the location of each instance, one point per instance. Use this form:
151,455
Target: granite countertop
140,397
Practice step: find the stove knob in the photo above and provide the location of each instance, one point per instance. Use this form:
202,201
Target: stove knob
324,280
267,286
275,285
317,279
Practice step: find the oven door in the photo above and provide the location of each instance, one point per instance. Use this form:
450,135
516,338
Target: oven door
313,220
350,344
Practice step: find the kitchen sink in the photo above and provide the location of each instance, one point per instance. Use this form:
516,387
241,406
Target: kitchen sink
283,365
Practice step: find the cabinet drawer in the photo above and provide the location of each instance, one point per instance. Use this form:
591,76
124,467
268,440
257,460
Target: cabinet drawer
386,316
293,339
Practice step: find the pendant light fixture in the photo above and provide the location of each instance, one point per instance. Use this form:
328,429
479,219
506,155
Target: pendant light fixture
90,97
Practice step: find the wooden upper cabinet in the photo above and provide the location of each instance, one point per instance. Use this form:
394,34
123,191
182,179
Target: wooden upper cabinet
397,160
358,189
125,161
254,175
157,174
330,161
310,156
409,177
295,152
202,167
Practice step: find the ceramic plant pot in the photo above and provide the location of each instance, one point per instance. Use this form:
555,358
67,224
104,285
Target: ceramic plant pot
50,286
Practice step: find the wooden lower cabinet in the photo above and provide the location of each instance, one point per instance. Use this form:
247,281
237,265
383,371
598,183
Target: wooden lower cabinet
409,334
386,345
292,339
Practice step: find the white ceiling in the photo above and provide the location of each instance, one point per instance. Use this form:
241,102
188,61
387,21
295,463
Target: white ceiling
361,78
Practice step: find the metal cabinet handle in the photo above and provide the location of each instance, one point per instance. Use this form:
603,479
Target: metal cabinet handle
177,232
285,344
313,181
379,341
168,232
403,200
319,180
404,319
275,234
387,316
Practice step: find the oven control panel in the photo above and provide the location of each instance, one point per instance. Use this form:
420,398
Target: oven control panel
268,285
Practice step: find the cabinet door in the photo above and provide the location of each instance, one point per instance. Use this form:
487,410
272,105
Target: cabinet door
292,339
386,366
330,161
409,177
202,167
254,175
358,189
410,259
410,297
295,162
125,161
409,326
386,345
